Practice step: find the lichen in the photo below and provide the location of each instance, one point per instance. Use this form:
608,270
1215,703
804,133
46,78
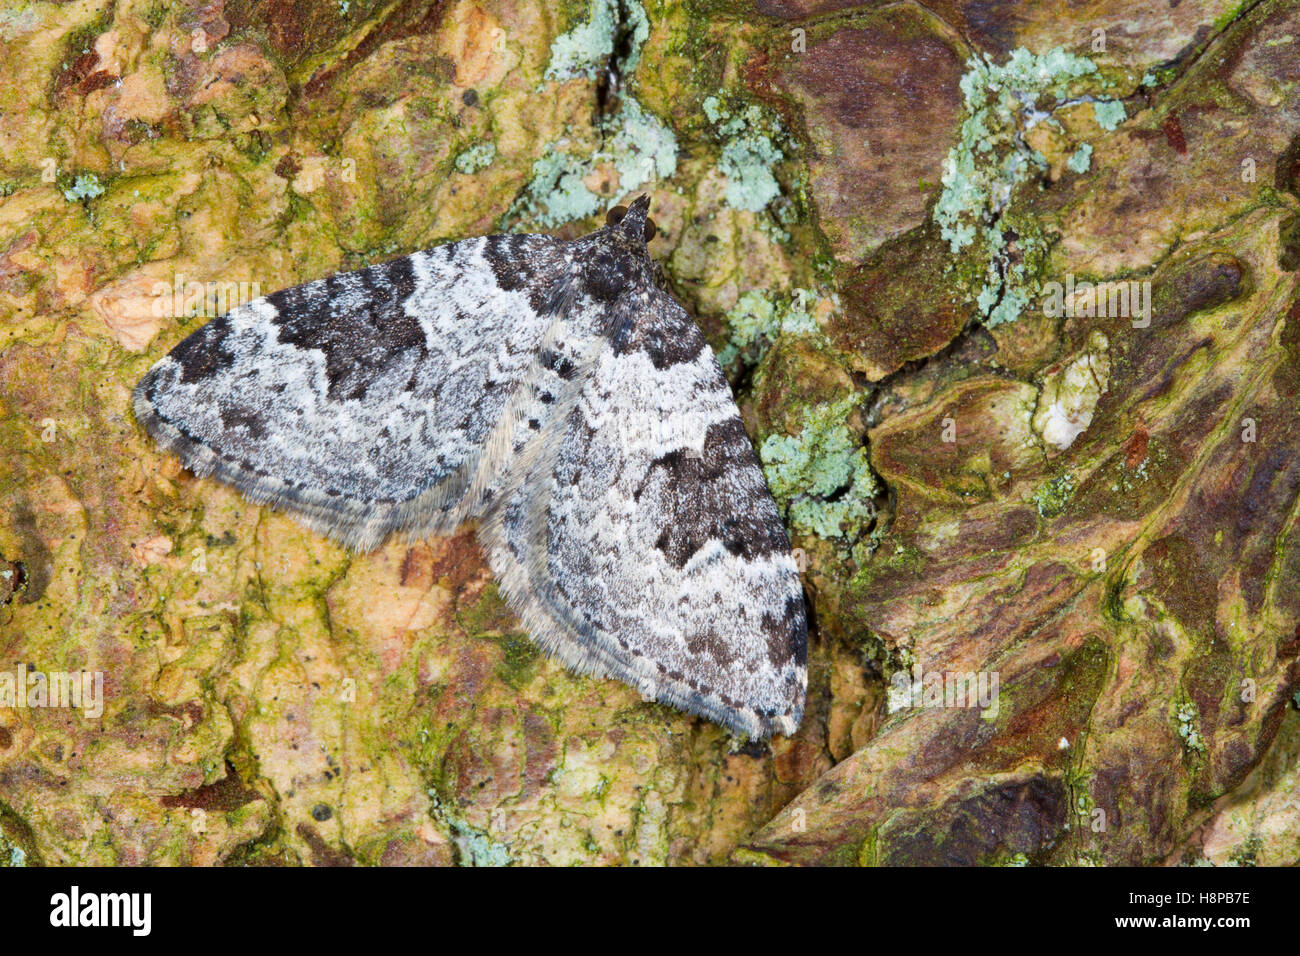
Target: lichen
756,320
821,476
1109,114
1188,716
476,158
640,147
1052,497
587,49
557,194
86,186
1081,161
475,848
991,158
635,144
749,153
10,853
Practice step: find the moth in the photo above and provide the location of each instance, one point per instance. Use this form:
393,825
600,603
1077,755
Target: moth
558,395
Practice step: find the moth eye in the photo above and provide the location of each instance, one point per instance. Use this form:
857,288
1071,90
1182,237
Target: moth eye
615,215
650,229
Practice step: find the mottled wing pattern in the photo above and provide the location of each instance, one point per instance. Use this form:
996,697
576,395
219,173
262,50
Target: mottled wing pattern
366,402
640,539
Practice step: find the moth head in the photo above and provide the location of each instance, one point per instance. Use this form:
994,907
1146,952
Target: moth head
615,261
633,221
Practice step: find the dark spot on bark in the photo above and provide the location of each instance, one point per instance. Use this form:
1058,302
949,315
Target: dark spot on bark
1287,174
1203,283
322,854
288,167
1173,130
1135,449
1004,819
1288,233
36,568
228,793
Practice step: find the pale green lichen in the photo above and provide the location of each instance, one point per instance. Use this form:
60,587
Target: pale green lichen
1081,161
636,144
991,159
86,186
1187,717
1009,282
822,476
10,853
557,194
1009,307
476,158
477,848
640,147
749,153
756,320
588,48
1109,114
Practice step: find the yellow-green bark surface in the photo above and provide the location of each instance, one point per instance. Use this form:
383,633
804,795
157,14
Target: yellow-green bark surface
272,698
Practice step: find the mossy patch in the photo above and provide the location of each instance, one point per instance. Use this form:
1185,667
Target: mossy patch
519,658
1052,497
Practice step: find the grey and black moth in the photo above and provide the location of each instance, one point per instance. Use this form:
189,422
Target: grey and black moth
551,391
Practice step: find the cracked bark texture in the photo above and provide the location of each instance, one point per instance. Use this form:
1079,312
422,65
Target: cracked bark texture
271,698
